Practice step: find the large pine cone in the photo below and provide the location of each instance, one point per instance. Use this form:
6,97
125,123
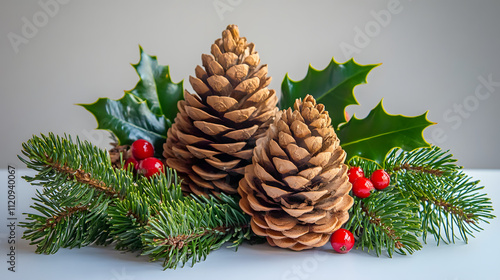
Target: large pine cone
297,188
215,131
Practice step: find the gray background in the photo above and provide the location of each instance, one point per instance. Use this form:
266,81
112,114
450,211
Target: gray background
434,54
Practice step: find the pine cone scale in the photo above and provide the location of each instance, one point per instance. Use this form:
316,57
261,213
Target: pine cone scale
221,103
201,153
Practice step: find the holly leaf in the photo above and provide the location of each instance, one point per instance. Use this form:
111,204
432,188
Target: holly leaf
377,134
332,86
156,87
129,119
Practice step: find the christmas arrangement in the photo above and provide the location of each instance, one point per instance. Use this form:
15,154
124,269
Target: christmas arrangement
232,162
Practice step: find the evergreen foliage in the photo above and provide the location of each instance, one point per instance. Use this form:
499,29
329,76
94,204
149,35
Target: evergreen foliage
84,200
385,221
429,194
451,204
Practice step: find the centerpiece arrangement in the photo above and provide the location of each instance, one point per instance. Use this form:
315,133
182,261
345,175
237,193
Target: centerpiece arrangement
232,162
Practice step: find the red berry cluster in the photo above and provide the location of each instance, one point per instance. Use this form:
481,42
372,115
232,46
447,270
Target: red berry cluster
362,187
342,240
143,159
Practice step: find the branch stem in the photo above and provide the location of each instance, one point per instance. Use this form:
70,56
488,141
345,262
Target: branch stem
387,229
452,209
68,211
184,239
422,169
83,177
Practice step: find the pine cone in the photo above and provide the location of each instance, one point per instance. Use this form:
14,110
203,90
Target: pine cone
215,131
297,188
118,153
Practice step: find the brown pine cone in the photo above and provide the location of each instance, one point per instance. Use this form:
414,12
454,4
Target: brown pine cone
297,188
215,131
118,153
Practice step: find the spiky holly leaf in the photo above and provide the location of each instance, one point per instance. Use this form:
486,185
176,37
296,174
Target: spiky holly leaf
332,86
156,87
129,119
377,134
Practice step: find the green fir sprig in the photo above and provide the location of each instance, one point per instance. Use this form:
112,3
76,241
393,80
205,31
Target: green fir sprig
451,204
429,194
191,228
385,221
84,200
77,190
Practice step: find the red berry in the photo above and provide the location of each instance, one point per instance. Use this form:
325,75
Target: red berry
129,161
355,173
342,241
142,149
150,166
380,179
362,187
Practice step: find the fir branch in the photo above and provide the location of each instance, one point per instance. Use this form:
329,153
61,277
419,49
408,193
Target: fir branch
408,167
130,215
454,210
85,200
179,241
187,230
431,160
449,202
385,221
79,171
74,176
66,213
82,177
127,220
55,227
387,230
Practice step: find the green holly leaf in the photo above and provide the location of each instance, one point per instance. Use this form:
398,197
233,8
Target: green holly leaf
332,86
377,134
129,118
156,87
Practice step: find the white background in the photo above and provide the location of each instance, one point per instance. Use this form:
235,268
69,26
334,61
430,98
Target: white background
432,53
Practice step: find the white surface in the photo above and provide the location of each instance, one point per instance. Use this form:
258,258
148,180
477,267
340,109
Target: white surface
476,260
432,54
